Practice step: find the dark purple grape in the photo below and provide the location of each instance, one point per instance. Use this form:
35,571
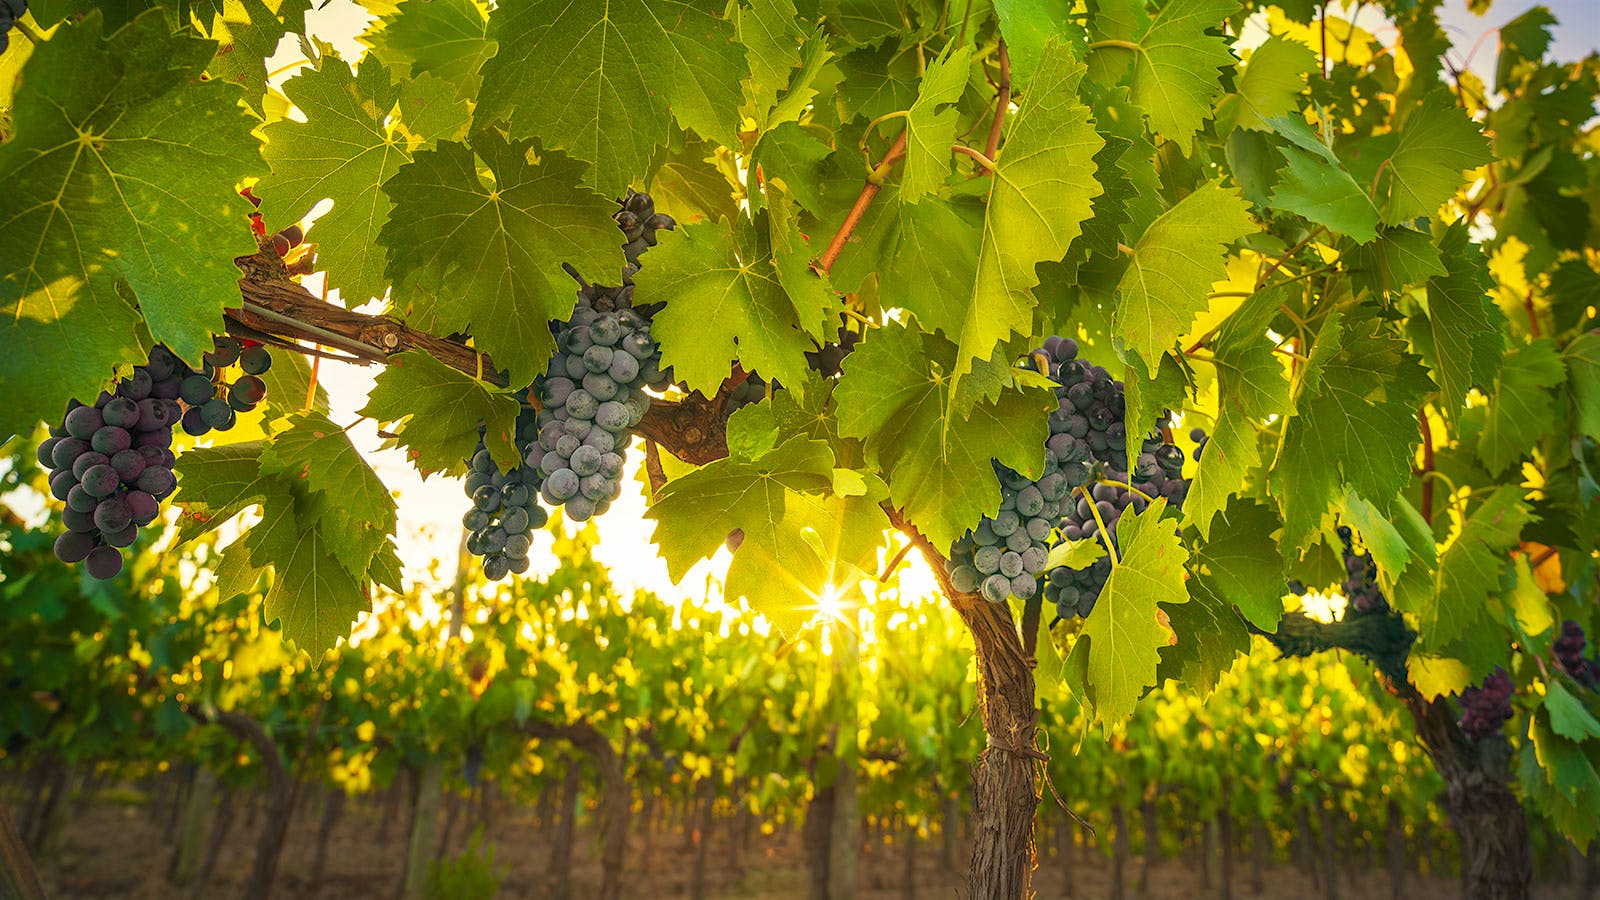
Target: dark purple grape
61,484
103,562
120,412
67,451
80,500
196,389
101,481
112,439
255,360
137,386
112,514
46,452
84,421
74,546
79,520
194,423
122,537
157,481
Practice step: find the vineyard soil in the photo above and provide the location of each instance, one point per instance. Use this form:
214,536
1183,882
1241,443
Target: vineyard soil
107,852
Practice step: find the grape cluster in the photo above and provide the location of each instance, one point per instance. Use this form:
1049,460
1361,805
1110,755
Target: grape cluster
1361,577
1568,647
1484,709
214,403
592,397
1005,555
111,463
10,12
505,506
828,359
1088,431
639,222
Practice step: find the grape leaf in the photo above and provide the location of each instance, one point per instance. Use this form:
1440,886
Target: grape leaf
1172,267
1273,78
1471,564
348,147
1398,259
1039,196
931,124
877,81
1028,26
1522,408
249,30
695,512
1463,341
1250,390
1582,357
1568,717
737,291
217,483
937,238
1175,63
446,38
771,34
1318,188
1436,143
1354,423
895,395
791,154
1210,638
1574,289
1571,811
438,410
1242,565
313,596
1124,633
486,259
348,503
1079,554
94,220
1394,545
606,86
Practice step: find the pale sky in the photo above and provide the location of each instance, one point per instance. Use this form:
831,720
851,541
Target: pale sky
430,511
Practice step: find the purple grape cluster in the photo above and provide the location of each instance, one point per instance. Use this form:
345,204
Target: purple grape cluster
1484,709
1568,648
828,359
1007,553
112,462
1089,433
505,506
1361,577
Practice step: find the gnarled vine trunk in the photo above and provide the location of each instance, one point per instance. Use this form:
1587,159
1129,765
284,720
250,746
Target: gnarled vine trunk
1496,857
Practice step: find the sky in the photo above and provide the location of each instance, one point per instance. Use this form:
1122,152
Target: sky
430,510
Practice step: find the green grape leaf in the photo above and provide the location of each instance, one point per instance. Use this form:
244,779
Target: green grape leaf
1316,187
312,596
448,39
434,412
1172,268
94,221
1241,563
737,290
486,259
1274,77
1175,64
1251,389
1567,768
792,155
1523,39
1210,638
217,483
1393,544
1437,143
931,124
895,395
937,238
1574,289
877,81
1125,635
1582,357
695,512
1463,339
1398,259
771,34
1354,424
1079,554
1522,407
348,503
348,147
691,184
1571,813
235,574
1568,717
1471,564
606,87
250,30
1029,26
1039,196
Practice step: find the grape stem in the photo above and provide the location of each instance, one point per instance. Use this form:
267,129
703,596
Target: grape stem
982,159
1105,533
1002,101
869,190
1126,486
1427,465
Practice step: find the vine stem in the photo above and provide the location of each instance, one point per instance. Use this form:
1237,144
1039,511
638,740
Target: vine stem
1427,465
1002,100
863,200
1310,236
1100,523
